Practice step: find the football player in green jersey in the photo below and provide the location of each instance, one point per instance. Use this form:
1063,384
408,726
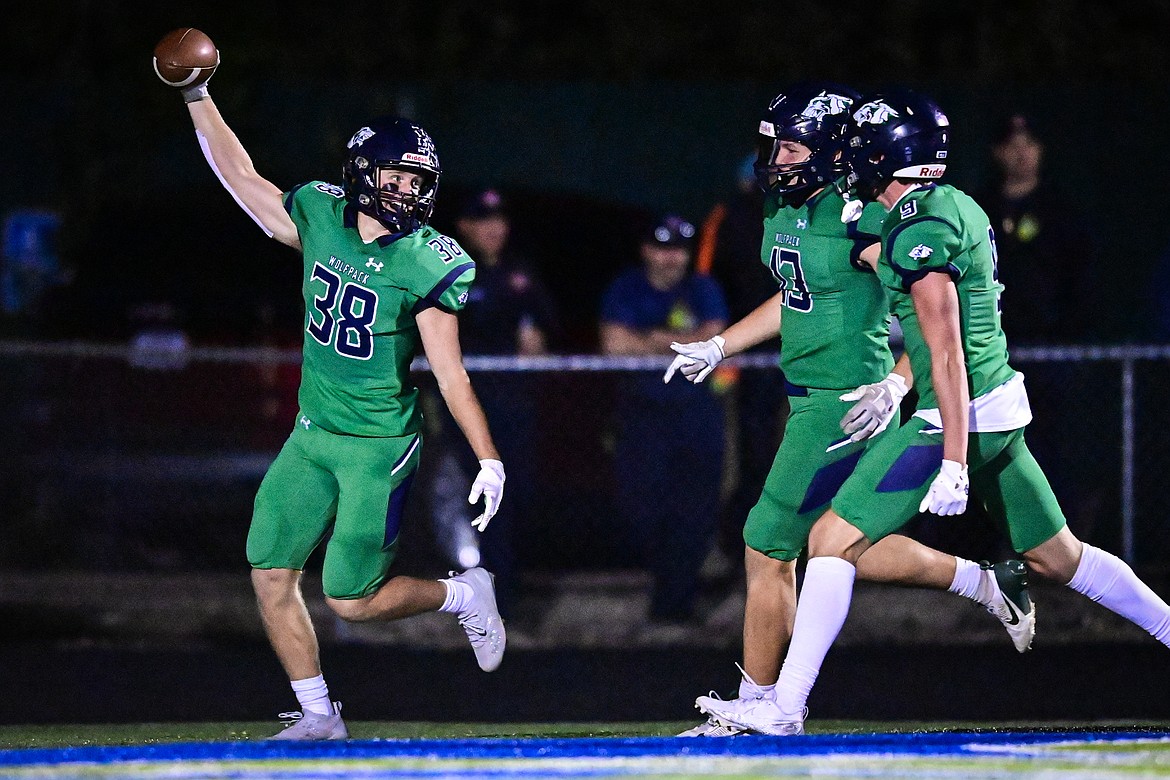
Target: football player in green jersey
378,282
833,318
938,263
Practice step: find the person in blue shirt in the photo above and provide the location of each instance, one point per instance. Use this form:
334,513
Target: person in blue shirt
644,310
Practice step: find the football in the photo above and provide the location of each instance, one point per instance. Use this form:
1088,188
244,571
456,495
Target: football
185,57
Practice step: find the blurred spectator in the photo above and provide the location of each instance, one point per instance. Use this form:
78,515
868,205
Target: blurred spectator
509,312
669,437
1046,257
29,265
1046,263
729,251
729,246
159,343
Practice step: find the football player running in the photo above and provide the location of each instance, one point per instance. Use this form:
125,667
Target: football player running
844,391
938,264
377,282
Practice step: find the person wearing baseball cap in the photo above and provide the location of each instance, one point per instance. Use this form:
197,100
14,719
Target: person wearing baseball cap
509,311
669,526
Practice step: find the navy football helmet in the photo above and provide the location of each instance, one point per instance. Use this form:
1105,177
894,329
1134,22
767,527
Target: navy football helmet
385,145
896,135
816,115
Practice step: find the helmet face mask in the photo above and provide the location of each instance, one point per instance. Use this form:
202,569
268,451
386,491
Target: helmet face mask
815,116
897,135
784,177
378,154
866,179
399,206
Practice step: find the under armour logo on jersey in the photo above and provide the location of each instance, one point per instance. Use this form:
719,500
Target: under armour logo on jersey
305,422
801,223
875,112
825,103
921,252
909,209
372,263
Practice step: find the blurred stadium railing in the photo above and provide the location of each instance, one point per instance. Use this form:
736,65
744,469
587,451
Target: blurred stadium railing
147,456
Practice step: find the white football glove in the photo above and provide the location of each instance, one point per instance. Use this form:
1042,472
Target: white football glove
948,493
851,212
196,93
489,483
875,407
696,360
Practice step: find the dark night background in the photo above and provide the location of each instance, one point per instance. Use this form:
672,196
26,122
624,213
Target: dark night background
589,115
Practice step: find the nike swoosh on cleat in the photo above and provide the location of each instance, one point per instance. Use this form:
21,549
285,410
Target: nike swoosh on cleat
1015,616
480,632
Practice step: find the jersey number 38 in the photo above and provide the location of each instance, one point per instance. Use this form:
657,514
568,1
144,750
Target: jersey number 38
347,323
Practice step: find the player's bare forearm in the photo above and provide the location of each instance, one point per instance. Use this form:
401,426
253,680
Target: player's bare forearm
258,197
468,413
440,337
936,302
755,328
871,255
902,368
949,375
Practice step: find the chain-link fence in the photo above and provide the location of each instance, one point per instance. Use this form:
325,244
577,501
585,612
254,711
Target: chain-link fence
147,457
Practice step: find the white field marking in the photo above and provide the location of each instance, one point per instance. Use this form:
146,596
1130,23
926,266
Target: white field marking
957,765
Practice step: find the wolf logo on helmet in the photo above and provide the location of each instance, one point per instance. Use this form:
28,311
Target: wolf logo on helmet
874,112
816,116
376,151
360,137
826,103
896,135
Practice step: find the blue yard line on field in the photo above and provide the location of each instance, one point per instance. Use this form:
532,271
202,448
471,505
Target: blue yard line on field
933,743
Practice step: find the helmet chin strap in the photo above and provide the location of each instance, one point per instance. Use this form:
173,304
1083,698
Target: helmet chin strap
384,217
395,225
798,197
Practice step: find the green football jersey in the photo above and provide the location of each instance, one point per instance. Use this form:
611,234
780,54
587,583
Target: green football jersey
360,303
835,324
941,229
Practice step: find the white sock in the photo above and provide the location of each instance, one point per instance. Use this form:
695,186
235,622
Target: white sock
820,612
458,596
1110,582
313,694
750,689
972,582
